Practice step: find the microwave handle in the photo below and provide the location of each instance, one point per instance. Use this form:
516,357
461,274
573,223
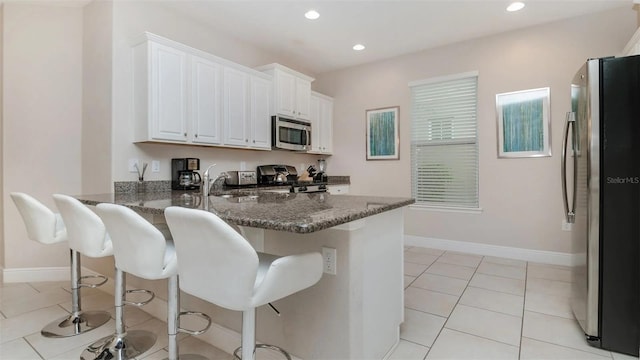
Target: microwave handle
308,132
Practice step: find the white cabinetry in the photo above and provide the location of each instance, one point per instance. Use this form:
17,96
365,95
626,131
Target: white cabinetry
292,92
161,93
321,124
633,46
236,119
338,189
206,101
184,95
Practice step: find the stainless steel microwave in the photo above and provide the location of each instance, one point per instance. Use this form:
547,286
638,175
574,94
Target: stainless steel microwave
290,134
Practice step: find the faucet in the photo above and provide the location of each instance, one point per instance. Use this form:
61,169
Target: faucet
207,183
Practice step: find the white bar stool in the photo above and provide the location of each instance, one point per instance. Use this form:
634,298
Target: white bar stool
218,265
142,250
46,227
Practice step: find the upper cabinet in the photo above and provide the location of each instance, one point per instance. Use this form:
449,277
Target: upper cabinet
184,95
321,124
291,92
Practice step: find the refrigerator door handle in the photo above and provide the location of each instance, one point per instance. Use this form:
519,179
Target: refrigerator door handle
569,213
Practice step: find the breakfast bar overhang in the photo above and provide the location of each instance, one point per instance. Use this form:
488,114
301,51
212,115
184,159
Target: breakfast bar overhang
354,314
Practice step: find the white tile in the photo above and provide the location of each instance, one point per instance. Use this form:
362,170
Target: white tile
531,349
549,272
450,270
17,306
408,351
16,291
549,287
408,280
53,347
498,283
548,304
429,251
132,315
618,356
95,302
513,272
460,259
45,286
420,327
493,300
419,258
193,345
453,344
412,269
504,261
18,349
429,301
557,330
443,284
28,323
488,324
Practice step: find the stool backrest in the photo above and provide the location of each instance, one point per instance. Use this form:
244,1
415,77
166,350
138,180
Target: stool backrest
43,225
139,247
86,231
215,262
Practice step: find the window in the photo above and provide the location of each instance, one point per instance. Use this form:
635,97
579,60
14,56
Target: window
444,141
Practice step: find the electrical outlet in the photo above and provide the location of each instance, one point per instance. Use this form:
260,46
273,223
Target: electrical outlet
243,165
133,163
566,226
155,166
330,259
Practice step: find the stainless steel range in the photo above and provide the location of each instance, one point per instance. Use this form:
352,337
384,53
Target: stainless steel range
287,175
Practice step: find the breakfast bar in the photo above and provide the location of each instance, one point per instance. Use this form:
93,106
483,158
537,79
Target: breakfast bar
352,314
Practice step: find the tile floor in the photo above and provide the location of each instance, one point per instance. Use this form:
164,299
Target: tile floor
457,306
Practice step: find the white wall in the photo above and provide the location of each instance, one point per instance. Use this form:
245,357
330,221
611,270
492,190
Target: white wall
520,198
131,19
42,87
1,147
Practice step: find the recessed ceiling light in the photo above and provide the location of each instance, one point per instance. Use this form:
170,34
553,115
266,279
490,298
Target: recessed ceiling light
515,6
312,14
358,47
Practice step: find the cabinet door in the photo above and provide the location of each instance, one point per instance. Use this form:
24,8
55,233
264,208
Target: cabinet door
260,119
168,86
235,106
326,126
286,94
338,189
316,128
303,99
206,101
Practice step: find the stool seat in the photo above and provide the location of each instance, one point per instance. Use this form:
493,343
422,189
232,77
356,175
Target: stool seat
140,249
46,227
218,265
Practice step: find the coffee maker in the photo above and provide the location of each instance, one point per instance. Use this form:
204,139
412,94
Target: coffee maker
184,175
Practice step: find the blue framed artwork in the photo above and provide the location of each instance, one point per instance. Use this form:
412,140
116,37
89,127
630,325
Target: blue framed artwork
523,123
383,138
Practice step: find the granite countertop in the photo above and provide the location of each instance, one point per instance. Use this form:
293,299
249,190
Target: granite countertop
293,212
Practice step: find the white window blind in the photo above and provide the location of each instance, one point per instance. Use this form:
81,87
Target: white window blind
444,145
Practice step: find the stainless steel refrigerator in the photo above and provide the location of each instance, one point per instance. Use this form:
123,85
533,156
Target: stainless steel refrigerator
601,189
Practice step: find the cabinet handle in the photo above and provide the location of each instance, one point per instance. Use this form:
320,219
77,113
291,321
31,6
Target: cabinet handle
196,135
246,140
254,141
185,134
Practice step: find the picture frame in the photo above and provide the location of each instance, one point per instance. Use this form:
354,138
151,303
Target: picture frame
382,134
524,120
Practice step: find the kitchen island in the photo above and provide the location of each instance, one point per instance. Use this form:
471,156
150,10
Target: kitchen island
354,314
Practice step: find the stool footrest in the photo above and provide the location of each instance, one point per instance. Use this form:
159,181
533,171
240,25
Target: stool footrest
89,285
263,346
151,294
200,315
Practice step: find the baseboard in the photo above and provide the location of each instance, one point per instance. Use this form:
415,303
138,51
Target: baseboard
539,256
14,275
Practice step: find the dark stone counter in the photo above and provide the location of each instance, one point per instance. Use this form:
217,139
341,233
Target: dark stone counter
300,213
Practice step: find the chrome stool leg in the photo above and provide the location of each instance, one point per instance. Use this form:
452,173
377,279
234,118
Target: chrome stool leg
123,344
78,322
173,322
249,346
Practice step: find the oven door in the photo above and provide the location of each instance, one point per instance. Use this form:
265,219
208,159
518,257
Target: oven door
291,134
